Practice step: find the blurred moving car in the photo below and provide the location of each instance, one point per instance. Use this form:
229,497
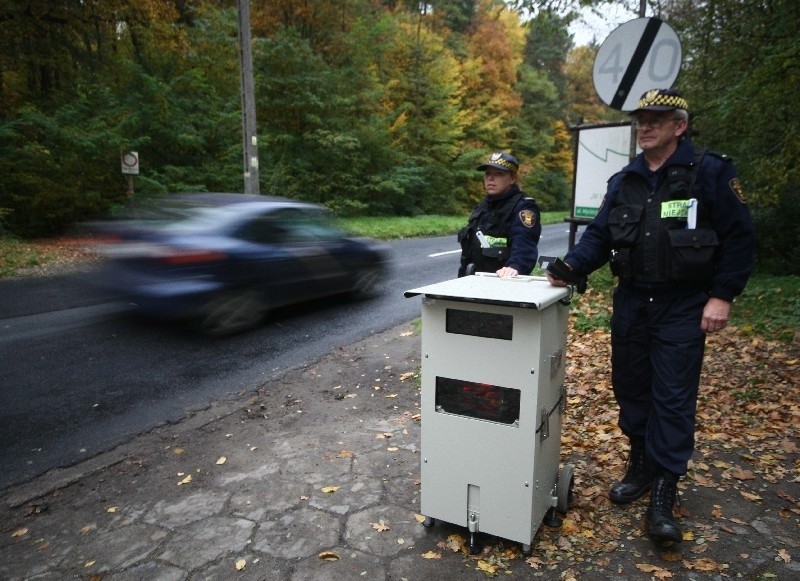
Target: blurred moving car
224,261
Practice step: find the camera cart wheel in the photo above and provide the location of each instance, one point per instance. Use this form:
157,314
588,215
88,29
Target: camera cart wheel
565,488
428,522
527,550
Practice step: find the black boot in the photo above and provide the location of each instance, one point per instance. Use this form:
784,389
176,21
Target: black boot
637,480
661,525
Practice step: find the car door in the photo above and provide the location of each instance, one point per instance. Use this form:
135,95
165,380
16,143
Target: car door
293,249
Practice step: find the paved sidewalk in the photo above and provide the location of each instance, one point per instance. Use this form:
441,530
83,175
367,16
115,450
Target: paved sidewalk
316,476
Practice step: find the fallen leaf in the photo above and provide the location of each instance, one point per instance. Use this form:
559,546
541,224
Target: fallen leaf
431,555
391,395
240,564
455,542
222,460
419,518
750,496
392,449
20,532
328,556
186,480
706,564
112,509
487,567
89,563
380,526
657,572
330,489
743,475
784,556
344,454
178,451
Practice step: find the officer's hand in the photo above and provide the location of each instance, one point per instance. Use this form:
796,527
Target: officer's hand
555,281
715,315
507,271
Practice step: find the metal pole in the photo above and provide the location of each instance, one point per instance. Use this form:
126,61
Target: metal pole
250,149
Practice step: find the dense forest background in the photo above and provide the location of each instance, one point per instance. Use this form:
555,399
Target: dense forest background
372,107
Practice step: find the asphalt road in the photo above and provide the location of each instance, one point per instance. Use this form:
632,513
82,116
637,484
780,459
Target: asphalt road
80,377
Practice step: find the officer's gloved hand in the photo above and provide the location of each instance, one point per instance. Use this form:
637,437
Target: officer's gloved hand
559,269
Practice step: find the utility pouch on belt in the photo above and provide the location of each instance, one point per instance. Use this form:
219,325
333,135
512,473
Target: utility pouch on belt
499,253
692,254
623,225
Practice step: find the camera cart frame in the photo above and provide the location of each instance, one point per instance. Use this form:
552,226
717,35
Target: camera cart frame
493,365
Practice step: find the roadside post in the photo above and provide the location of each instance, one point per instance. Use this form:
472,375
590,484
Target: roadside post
493,363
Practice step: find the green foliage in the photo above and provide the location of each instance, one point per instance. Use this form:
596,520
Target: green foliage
769,306
372,108
741,82
592,310
16,255
778,233
387,228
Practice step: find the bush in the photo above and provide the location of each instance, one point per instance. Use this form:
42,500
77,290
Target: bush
778,234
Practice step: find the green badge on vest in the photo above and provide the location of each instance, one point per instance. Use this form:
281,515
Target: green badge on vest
675,209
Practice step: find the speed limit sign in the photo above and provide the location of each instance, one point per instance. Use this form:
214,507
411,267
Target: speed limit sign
639,55
130,162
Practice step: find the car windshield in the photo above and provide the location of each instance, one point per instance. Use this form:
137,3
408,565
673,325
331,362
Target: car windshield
202,219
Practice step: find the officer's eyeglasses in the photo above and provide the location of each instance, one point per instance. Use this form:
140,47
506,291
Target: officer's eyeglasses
653,122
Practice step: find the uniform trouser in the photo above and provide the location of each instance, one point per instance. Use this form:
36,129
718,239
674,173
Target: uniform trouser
656,358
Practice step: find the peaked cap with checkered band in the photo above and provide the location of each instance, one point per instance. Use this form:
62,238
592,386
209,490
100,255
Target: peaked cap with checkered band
661,100
501,161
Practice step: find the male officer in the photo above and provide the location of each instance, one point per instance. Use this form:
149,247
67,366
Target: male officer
502,234
676,230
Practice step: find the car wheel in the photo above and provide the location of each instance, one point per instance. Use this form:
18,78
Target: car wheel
233,312
366,281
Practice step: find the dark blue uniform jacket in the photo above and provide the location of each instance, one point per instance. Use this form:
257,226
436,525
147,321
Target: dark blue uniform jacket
723,208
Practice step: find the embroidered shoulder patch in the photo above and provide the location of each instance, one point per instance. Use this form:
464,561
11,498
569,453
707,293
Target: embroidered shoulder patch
737,189
528,218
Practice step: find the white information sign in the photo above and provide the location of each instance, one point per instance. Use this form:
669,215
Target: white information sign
640,55
130,162
602,150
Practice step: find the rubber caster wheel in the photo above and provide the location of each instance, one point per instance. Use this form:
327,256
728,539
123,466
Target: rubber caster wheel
475,548
428,522
565,488
527,550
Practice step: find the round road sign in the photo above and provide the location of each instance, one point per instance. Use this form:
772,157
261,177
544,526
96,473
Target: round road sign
130,162
639,55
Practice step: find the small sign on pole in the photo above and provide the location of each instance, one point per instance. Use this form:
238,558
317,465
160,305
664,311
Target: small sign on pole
130,163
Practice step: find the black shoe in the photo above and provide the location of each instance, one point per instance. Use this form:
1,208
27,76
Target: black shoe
637,480
661,525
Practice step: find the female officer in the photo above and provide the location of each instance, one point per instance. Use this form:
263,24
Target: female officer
502,234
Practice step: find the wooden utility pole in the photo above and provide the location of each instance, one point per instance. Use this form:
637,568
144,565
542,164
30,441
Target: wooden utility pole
250,149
